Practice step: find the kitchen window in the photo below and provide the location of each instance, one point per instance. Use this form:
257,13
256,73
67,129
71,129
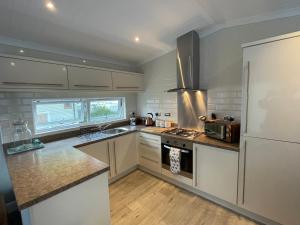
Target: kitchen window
62,114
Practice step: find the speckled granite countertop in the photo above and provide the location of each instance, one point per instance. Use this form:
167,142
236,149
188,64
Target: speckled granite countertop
40,174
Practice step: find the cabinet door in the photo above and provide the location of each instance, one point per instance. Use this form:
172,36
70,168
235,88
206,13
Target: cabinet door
273,90
127,81
19,73
217,172
150,151
272,180
84,78
99,150
125,152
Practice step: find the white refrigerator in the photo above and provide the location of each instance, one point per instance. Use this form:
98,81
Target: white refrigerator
270,148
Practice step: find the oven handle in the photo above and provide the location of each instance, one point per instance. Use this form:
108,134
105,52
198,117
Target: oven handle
182,151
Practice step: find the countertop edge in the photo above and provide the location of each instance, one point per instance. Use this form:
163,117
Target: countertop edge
101,171
59,190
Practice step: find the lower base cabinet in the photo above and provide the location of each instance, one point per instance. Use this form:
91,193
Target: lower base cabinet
125,152
119,153
216,172
272,180
86,203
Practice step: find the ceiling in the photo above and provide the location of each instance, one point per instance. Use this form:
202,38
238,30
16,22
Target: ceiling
106,29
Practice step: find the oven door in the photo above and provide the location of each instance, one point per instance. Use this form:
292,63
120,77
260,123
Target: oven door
186,163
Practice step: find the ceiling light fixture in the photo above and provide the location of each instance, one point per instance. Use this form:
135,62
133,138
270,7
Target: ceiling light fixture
21,51
84,61
50,6
137,39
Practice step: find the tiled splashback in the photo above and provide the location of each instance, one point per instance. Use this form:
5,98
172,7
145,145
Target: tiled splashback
159,102
224,102
15,105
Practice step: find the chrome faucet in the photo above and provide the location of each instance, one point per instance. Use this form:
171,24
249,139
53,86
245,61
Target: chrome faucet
103,127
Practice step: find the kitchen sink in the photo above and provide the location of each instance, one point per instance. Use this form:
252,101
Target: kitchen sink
114,131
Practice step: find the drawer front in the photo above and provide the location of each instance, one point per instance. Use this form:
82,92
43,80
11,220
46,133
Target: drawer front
152,153
150,164
150,139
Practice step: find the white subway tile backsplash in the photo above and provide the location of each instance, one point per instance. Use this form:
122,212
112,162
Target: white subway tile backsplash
225,102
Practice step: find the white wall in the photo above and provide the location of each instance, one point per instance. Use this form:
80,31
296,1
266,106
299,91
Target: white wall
19,104
221,59
220,68
160,75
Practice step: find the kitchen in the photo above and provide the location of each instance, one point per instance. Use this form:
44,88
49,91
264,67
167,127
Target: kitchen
217,90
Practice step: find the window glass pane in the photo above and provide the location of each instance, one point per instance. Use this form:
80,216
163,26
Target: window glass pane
57,115
106,110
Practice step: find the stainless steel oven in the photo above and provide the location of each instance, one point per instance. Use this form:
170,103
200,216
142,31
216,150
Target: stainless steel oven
186,148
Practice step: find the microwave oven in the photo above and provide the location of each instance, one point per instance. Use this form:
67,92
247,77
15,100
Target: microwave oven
224,130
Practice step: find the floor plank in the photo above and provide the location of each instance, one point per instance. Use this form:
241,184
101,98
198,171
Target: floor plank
141,199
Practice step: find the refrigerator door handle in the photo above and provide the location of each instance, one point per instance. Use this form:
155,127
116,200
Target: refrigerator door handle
244,172
247,73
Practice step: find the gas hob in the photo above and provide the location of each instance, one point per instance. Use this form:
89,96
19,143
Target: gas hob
187,133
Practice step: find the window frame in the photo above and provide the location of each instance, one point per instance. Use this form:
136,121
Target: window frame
86,113
88,109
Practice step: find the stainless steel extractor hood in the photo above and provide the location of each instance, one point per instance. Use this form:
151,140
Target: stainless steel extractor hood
187,62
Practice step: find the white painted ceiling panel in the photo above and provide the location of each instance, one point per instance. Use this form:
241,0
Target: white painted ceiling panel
106,29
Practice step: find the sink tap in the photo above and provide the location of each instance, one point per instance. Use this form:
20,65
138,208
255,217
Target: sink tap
103,127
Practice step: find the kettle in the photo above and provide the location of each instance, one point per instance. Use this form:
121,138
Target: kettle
149,119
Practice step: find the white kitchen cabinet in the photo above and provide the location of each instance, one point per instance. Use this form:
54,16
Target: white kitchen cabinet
272,89
217,172
126,156
19,73
127,81
100,151
89,79
119,153
86,203
149,147
272,179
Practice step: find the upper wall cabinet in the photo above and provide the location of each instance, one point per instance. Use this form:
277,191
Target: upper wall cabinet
127,81
19,73
85,79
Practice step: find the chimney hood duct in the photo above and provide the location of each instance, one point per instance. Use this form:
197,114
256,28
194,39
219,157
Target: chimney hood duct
187,62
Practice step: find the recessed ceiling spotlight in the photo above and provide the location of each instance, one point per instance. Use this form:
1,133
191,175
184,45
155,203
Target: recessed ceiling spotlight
137,39
21,51
84,61
50,6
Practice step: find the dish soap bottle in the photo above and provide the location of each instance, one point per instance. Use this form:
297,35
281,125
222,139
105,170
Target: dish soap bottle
132,119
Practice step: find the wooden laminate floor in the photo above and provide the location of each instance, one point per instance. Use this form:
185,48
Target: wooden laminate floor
141,199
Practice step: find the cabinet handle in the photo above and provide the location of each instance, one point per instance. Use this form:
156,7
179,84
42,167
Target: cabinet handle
31,84
152,160
108,158
114,144
149,146
244,176
129,87
247,97
90,86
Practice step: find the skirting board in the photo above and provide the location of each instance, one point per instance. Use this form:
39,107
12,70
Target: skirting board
220,202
